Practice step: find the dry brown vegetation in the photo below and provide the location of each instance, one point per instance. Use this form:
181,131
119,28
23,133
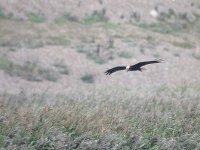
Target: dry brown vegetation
53,91
166,118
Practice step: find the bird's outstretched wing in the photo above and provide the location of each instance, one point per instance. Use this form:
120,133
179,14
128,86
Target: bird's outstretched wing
140,64
109,71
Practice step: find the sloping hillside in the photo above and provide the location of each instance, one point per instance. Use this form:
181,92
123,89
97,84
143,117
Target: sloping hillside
114,11
53,90
57,55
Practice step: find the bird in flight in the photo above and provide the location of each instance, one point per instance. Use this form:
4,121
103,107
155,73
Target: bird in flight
136,67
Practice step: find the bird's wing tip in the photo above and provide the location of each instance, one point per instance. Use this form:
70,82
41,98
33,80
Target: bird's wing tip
160,60
107,72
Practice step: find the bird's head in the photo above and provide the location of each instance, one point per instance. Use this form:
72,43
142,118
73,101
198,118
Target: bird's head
127,68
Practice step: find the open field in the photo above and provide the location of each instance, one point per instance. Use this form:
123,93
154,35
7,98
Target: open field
156,118
53,90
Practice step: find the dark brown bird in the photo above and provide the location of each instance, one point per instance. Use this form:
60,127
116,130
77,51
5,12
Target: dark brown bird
136,67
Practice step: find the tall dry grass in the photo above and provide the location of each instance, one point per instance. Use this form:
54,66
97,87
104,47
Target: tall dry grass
159,118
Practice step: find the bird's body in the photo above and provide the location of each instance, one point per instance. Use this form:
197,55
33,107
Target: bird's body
136,67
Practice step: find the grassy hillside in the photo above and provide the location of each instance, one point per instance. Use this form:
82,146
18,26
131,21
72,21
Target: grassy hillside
53,90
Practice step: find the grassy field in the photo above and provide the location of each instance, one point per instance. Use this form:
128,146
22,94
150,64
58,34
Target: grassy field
54,94
162,118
